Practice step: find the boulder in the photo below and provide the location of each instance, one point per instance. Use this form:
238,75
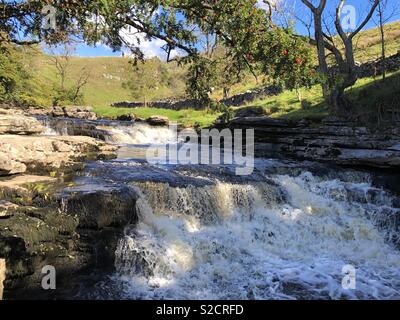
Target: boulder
127,117
74,112
250,112
158,121
19,154
5,209
19,124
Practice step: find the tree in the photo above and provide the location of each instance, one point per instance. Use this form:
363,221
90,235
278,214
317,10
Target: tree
385,13
11,72
334,85
241,26
15,75
143,83
61,59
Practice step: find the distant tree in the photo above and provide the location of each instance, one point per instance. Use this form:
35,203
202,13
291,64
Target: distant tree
14,76
385,12
143,83
60,56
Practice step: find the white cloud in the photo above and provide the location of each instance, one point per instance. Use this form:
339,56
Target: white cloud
261,4
150,48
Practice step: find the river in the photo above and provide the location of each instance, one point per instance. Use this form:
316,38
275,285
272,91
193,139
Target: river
291,230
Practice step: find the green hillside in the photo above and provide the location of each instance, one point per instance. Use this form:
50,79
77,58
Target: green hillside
106,81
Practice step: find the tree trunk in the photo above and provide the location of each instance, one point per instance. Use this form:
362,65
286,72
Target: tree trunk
298,94
383,47
226,93
337,101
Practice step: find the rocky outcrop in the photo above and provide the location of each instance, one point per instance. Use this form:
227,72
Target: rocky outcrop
158,121
75,230
74,112
19,154
75,127
334,140
63,112
19,124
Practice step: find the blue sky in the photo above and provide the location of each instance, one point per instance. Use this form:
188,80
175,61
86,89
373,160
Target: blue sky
153,48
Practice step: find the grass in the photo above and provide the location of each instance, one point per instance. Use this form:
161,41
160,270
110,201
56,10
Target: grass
105,85
368,43
187,117
365,96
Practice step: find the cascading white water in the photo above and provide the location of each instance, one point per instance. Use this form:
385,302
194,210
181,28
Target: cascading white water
284,240
140,134
114,133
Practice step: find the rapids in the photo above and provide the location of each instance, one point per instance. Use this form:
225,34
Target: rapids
285,232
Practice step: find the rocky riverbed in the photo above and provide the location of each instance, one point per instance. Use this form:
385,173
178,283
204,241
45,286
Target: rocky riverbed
64,202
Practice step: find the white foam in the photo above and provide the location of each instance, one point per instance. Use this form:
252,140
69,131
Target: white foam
294,250
141,134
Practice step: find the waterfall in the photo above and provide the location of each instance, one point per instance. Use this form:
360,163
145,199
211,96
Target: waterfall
288,238
140,134
113,132
281,233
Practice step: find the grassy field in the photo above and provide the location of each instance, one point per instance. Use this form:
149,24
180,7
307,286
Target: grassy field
187,117
366,96
105,85
368,43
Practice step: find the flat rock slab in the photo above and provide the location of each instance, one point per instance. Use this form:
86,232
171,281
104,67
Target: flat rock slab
19,124
5,208
334,140
19,154
22,180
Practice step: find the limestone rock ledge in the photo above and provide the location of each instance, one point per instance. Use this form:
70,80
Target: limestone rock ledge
20,154
19,124
75,230
335,141
76,112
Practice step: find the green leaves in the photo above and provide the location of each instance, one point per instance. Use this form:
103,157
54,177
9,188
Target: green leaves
12,73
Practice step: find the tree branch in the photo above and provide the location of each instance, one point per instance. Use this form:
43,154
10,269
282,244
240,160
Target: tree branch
367,18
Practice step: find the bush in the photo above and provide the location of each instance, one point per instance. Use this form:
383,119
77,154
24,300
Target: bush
64,97
11,73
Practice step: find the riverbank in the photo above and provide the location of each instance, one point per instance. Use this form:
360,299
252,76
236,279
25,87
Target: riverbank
36,227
